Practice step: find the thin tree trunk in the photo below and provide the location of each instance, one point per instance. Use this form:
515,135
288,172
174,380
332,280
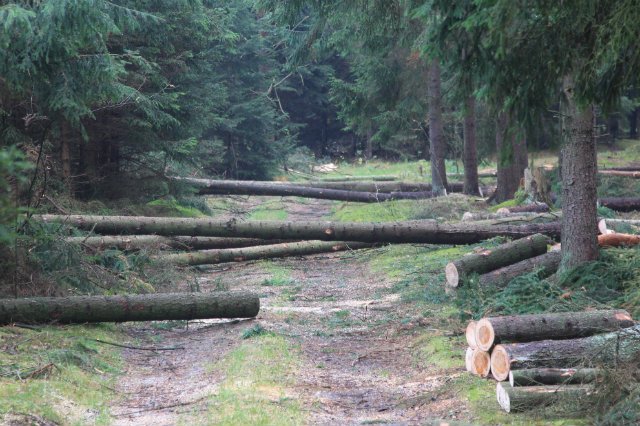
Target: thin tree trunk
546,264
470,155
437,144
428,232
599,350
579,214
368,148
620,173
143,307
497,257
261,252
563,325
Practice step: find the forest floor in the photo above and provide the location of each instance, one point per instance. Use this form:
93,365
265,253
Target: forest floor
336,342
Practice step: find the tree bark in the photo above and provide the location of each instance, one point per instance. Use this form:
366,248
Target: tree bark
547,264
511,150
564,325
553,376
523,398
598,350
605,224
261,252
526,208
231,187
437,145
620,204
145,307
507,215
137,242
578,172
489,260
427,232
620,173
618,240
470,149
377,178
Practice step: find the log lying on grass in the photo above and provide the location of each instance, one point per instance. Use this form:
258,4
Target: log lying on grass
620,204
137,242
427,232
145,307
620,173
605,225
546,264
598,350
523,398
468,357
563,325
618,240
261,252
526,208
553,376
381,178
391,187
497,257
230,187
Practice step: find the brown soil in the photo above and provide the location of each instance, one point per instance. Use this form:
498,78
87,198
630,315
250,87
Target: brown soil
358,345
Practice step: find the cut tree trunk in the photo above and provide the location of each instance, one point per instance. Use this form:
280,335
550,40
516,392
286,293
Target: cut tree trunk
523,398
235,187
481,363
598,350
489,260
605,224
436,129
553,376
527,208
618,240
620,169
564,325
381,178
629,174
480,175
144,307
261,252
621,204
365,186
470,334
427,232
137,242
470,155
546,264
578,172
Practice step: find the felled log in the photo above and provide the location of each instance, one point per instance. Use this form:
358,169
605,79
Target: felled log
381,178
606,226
597,350
480,174
230,187
546,264
468,357
553,376
384,186
495,258
427,232
620,173
261,252
620,204
618,240
480,363
562,325
621,169
523,398
137,242
525,208
143,307
470,334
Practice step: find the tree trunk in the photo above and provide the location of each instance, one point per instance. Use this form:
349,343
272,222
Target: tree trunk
578,172
564,325
507,215
368,148
546,264
527,208
489,260
470,335
144,307
137,242
427,232
470,155
437,144
605,224
633,123
598,350
511,150
261,252
377,178
523,398
65,159
620,173
553,376
618,240
620,204
234,187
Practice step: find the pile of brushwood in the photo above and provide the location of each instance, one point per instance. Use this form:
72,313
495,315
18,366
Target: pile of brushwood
542,359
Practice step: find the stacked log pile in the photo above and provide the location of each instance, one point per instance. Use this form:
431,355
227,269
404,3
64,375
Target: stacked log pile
546,358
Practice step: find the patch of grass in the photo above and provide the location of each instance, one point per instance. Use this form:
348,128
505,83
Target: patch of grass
255,391
256,330
341,318
274,210
378,212
278,275
441,351
59,373
171,207
409,170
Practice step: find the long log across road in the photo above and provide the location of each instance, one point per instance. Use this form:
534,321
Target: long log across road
417,231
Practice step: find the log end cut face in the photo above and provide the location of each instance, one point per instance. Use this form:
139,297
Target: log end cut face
500,363
503,398
470,334
481,361
468,360
485,335
451,274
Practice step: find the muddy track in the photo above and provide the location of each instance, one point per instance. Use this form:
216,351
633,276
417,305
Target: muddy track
356,338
